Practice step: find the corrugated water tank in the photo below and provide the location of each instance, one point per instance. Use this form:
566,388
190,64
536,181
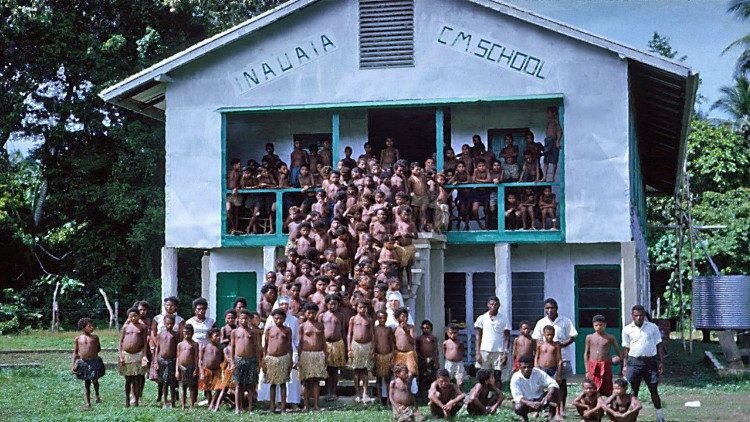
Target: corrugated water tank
722,302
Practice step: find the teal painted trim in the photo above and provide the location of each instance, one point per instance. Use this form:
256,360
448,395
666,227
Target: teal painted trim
254,240
279,223
637,189
492,236
561,171
222,175
395,103
492,185
336,137
501,209
439,138
272,190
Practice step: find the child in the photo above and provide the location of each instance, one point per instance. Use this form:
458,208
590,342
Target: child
453,350
445,398
230,318
389,155
360,336
588,403
246,350
378,300
523,345
333,325
597,356
484,398
427,357
510,149
548,205
326,155
187,365
268,292
512,213
510,170
530,171
166,357
549,356
210,359
277,361
297,158
402,401
385,344
87,365
406,232
405,342
527,207
621,406
132,362
552,137
420,195
312,358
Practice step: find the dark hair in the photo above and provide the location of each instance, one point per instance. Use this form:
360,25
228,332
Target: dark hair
621,382
234,161
83,322
526,359
552,301
400,311
253,314
278,312
548,328
189,327
552,109
240,300
310,306
479,161
525,321
172,299
495,298
230,312
246,312
381,312
483,375
599,318
142,303
453,327
132,309
587,381
428,322
200,301
169,317
333,296
638,308
268,287
442,373
212,331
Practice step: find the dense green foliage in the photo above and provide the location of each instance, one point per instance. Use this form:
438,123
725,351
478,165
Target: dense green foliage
87,207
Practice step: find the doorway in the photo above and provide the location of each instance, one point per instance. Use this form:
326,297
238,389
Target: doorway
412,129
230,286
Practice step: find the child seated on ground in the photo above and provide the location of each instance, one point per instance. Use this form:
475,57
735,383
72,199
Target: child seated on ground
621,406
589,403
445,397
87,365
598,357
484,398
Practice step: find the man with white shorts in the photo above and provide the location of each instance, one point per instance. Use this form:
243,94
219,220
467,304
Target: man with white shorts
493,338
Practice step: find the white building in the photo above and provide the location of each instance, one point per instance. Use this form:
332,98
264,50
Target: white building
431,72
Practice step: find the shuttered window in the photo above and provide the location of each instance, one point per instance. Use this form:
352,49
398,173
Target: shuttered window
386,33
527,290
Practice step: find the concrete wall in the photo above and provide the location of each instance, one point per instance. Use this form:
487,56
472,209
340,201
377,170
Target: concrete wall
593,82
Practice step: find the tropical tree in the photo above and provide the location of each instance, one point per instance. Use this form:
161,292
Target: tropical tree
741,9
735,101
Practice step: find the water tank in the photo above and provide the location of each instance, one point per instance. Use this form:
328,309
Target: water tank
722,302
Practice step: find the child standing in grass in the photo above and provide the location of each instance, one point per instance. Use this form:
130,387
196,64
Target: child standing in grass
598,357
166,357
187,365
132,360
277,360
87,365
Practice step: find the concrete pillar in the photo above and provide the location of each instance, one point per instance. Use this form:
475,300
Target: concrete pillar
205,274
428,291
629,283
168,272
269,264
503,286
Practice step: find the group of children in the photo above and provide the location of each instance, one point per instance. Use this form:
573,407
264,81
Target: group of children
355,191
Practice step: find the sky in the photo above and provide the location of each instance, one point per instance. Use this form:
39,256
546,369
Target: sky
700,29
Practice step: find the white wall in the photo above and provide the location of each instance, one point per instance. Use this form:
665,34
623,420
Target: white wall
593,82
226,260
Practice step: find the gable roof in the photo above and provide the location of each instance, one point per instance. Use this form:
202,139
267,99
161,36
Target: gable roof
663,90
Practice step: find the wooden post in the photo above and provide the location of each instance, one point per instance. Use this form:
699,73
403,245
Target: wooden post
55,308
109,308
692,253
117,313
678,250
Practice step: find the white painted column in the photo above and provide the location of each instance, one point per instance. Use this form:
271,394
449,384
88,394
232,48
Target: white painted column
168,272
629,284
205,274
503,278
269,264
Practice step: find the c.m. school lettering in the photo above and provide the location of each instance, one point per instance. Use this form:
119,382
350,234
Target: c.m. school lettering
282,63
492,51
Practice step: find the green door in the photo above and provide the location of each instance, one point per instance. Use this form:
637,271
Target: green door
597,293
229,286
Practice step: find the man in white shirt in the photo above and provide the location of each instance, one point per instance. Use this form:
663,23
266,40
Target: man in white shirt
565,334
643,356
527,387
493,339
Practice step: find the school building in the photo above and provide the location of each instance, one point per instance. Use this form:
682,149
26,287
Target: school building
432,73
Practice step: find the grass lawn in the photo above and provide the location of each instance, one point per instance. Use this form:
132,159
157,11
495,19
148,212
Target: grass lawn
52,392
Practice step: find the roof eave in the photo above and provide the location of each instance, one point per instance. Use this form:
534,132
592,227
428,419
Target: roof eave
691,91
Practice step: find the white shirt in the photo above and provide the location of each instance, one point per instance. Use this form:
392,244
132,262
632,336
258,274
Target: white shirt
564,329
493,332
200,329
530,388
159,319
641,340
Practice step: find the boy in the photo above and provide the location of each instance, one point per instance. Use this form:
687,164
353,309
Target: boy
549,356
406,232
453,350
166,357
588,403
268,292
246,350
552,138
389,154
333,328
87,365
523,345
210,359
187,365
621,406
360,335
402,401
484,398
385,344
427,357
405,342
548,206
326,155
277,361
445,398
420,195
233,200
597,356
312,358
297,158
132,359
230,319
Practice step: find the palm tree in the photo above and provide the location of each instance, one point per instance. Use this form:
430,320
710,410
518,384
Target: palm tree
735,101
741,8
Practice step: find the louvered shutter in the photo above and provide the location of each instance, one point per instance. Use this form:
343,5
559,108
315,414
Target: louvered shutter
386,33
